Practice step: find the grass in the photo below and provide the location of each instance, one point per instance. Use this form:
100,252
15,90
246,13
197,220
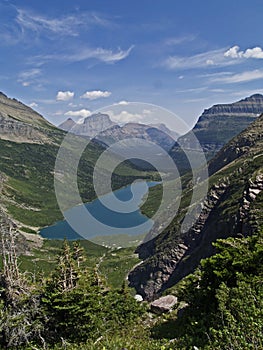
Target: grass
118,240
114,264
43,260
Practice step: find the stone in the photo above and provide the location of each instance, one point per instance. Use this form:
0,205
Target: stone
138,297
163,304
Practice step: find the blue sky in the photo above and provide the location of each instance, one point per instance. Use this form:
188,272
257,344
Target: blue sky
69,58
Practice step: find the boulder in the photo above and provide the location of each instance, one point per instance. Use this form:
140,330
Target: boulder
163,304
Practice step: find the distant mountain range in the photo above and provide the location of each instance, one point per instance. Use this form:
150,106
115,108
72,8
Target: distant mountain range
214,128
100,127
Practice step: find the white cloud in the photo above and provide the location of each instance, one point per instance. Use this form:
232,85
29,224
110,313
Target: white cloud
256,52
33,104
64,95
95,94
210,58
240,77
234,52
121,103
81,113
125,117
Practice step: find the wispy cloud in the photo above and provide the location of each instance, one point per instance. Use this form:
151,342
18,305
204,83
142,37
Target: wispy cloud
194,90
173,41
104,55
66,25
213,58
235,52
100,54
240,77
28,77
95,94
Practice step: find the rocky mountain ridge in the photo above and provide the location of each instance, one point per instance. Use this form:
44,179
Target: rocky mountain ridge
21,123
233,207
216,126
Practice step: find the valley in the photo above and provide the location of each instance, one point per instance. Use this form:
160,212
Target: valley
118,264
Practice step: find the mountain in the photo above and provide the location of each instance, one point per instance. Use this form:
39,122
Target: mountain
164,128
90,127
216,126
28,151
67,125
101,127
233,207
21,123
136,130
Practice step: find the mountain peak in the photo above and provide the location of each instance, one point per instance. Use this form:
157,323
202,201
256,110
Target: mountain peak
252,98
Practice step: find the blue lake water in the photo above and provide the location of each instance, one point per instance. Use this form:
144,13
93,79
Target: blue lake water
106,215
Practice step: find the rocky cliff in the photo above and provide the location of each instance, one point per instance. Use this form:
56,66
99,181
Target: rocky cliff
217,125
233,206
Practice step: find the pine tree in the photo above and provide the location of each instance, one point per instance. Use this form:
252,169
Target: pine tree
20,323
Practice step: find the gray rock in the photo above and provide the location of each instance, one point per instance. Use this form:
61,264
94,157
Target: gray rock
163,304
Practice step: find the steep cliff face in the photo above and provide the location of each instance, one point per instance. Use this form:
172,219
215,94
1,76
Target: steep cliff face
20,123
217,125
233,206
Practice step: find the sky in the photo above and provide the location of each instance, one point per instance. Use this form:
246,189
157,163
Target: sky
71,58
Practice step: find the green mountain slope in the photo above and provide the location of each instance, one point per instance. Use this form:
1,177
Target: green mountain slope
233,207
